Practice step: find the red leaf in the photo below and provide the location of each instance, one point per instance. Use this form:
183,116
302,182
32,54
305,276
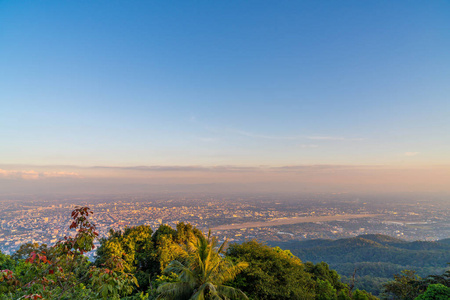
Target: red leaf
32,257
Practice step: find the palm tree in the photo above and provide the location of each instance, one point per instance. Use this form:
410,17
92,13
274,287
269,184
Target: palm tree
202,272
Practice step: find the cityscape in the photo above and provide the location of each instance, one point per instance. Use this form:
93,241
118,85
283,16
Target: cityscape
236,218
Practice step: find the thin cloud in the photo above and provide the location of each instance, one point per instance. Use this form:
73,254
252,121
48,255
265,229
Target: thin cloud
309,168
182,168
268,137
315,168
295,137
281,137
242,169
333,138
35,175
60,175
251,134
411,153
208,139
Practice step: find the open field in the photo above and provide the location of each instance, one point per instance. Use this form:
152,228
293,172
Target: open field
296,220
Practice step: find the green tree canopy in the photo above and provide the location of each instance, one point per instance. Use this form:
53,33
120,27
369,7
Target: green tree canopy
202,272
435,292
272,274
405,286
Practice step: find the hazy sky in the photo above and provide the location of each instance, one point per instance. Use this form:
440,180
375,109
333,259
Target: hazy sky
256,84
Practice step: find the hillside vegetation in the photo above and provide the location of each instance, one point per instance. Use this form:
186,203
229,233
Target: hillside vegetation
183,263
376,258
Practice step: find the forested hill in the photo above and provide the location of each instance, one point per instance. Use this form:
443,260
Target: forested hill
375,257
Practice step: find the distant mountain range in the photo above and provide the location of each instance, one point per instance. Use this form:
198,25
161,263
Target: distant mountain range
375,257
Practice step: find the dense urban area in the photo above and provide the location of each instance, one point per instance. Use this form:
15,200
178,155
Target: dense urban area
46,219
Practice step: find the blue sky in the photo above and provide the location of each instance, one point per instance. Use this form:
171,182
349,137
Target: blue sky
243,83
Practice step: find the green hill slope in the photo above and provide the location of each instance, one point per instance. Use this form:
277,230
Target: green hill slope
375,257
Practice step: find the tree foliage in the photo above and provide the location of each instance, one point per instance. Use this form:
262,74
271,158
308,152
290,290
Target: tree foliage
435,292
403,287
202,272
408,285
62,271
272,274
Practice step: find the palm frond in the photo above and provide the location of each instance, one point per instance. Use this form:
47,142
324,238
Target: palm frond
202,271
176,267
230,271
230,292
174,291
200,294
222,247
206,287
185,274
